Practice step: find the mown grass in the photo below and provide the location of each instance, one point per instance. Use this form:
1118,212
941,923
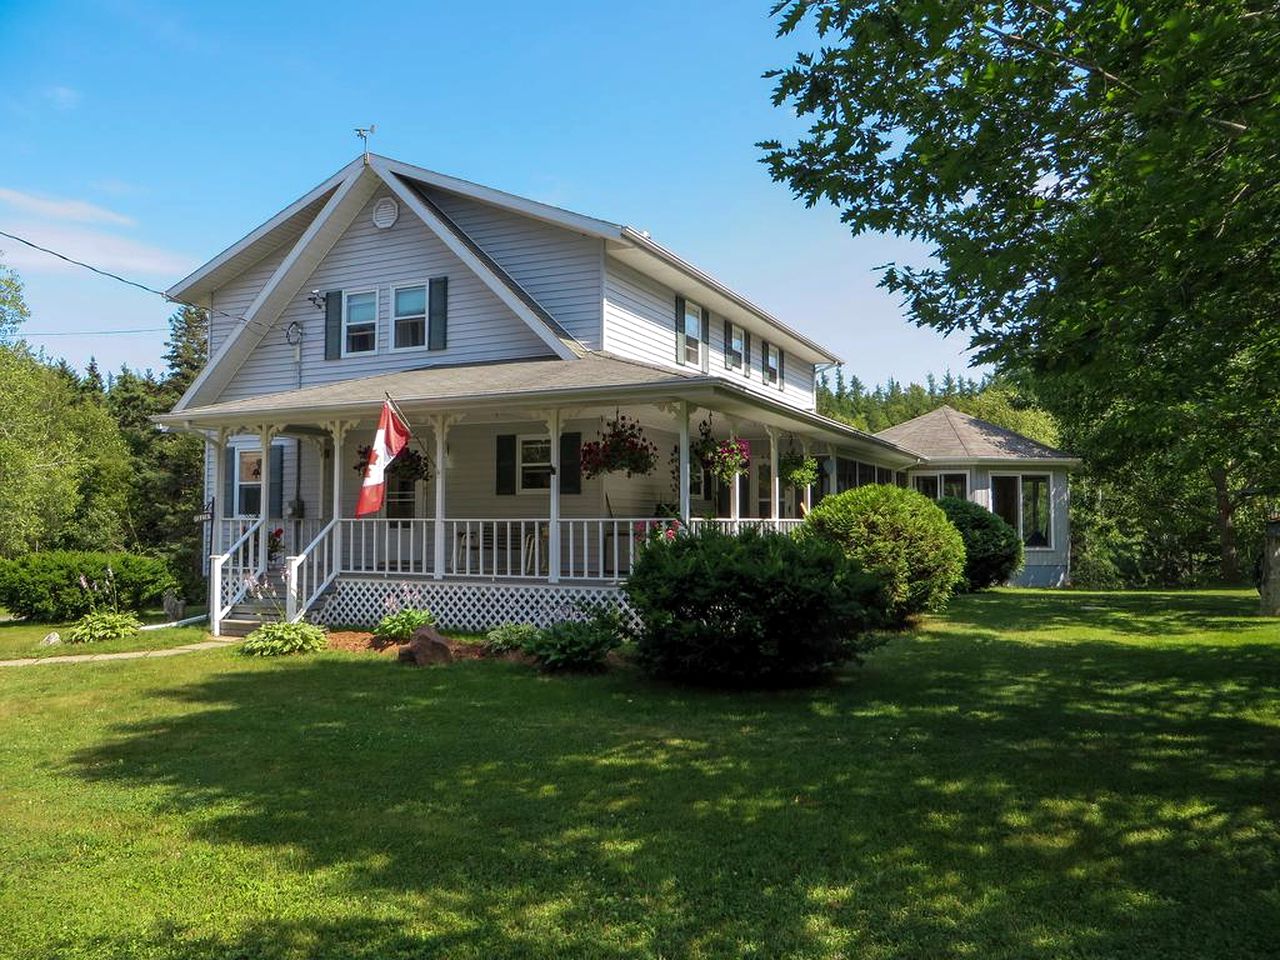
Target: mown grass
1036,775
21,640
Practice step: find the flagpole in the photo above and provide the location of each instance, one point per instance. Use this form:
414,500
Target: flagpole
412,434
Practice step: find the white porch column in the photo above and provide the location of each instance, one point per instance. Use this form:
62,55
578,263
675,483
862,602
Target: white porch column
775,482
682,415
553,535
265,436
440,425
338,430
219,443
808,489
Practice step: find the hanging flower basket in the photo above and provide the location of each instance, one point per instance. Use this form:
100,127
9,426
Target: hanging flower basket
724,459
798,470
408,465
622,448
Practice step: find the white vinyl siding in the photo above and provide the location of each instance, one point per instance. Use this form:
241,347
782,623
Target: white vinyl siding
560,269
640,325
481,327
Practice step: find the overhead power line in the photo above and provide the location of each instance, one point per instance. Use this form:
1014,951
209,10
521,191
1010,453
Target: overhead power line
131,283
27,334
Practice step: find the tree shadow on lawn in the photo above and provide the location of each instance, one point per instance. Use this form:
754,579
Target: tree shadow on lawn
955,799
1133,613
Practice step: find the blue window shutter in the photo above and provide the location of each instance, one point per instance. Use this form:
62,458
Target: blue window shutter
438,314
746,352
706,338
275,481
781,370
728,344
505,462
333,325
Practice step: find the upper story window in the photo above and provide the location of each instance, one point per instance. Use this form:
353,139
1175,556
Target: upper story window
692,322
737,350
533,463
409,316
771,364
360,322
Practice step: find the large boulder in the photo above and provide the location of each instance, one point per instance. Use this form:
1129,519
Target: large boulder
426,647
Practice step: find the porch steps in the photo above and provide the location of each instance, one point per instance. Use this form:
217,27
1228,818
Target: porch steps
250,613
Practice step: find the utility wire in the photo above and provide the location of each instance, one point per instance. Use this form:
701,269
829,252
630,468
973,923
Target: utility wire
131,283
92,333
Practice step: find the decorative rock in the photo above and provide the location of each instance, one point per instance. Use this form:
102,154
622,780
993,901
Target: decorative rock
51,639
425,647
175,608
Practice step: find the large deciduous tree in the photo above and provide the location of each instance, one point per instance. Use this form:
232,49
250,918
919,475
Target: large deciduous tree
1099,186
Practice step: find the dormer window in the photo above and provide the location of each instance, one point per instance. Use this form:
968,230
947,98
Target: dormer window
692,323
737,348
360,322
771,365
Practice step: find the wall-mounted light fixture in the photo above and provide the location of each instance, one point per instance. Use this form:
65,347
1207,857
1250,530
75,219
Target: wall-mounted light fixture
318,300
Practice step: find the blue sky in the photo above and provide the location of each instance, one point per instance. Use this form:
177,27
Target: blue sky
146,137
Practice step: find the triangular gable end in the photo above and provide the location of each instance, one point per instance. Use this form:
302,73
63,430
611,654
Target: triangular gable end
348,198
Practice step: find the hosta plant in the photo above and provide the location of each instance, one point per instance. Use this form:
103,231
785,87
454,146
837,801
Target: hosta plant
279,639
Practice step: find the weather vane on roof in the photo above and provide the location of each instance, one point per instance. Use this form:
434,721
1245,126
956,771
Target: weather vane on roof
364,133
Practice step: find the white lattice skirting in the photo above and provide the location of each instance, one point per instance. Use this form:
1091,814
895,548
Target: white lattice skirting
458,606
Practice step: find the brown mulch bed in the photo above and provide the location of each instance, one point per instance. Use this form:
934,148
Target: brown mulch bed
357,641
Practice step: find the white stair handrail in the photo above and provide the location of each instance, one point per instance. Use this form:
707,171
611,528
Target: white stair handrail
251,565
309,573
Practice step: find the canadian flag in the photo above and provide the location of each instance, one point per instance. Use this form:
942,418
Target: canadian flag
392,437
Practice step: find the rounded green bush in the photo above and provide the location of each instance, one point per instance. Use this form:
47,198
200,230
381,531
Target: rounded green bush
580,643
900,537
749,610
279,639
50,586
992,548
509,638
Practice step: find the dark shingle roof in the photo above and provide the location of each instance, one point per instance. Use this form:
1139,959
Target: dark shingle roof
948,434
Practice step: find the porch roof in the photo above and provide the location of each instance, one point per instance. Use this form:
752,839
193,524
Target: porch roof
947,436
596,377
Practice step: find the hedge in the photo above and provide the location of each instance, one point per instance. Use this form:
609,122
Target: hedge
47,586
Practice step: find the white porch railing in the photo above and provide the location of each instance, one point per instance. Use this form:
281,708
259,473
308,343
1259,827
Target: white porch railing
309,573
296,533
498,549
388,547
231,573
592,549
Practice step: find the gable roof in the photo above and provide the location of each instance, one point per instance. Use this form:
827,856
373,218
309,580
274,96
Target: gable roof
946,434
631,246
342,202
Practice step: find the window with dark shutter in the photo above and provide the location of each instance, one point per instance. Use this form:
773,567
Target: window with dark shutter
275,482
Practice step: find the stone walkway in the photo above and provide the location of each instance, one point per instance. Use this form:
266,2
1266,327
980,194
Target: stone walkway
129,655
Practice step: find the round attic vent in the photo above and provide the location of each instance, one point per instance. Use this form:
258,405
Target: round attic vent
385,212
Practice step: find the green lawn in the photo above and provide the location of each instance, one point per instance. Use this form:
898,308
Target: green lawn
19,640
1037,775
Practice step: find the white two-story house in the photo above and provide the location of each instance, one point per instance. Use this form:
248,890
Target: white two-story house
508,332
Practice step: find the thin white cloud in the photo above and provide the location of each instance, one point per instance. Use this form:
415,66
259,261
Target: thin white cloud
57,208
107,251
62,98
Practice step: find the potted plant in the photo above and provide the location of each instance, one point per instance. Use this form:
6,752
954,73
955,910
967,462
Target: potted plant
408,465
798,470
622,448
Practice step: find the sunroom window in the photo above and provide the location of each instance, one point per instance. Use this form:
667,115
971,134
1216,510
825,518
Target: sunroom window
409,310
1024,503
360,322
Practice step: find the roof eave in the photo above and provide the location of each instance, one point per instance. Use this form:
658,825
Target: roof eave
674,260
